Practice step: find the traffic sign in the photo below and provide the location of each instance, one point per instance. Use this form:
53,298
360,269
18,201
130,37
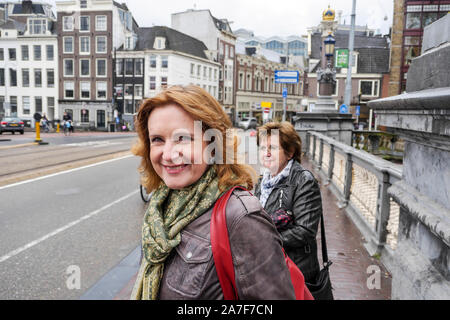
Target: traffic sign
286,76
265,104
285,93
358,110
343,109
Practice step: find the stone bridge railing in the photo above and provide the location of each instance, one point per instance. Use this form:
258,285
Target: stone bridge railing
360,182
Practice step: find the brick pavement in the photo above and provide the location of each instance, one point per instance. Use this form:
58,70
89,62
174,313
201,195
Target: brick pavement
346,250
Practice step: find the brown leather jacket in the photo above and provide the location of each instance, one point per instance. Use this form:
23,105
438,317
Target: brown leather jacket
260,268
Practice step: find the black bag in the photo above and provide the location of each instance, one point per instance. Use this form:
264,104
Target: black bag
321,288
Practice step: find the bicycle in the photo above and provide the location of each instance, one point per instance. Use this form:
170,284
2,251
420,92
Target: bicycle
145,196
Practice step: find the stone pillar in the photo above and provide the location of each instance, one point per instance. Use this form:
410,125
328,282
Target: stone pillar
396,48
421,116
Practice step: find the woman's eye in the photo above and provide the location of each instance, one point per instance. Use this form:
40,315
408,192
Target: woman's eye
155,140
184,139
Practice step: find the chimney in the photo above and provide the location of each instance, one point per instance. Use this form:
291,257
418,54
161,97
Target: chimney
27,7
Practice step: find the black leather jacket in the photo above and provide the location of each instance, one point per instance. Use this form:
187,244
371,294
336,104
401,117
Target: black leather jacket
299,195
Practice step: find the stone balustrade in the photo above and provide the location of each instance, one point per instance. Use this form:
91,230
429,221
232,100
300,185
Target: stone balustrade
360,181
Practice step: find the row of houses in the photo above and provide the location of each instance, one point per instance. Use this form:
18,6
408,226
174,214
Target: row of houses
92,60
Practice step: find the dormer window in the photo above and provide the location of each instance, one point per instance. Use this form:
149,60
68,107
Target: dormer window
37,26
160,43
130,42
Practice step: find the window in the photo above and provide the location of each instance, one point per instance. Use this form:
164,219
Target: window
85,66
38,104
25,77
85,90
369,87
101,118
37,78
24,50
129,106
84,115
83,4
138,90
50,102
152,83
241,80
67,23
119,67
101,67
199,68
429,17
413,20
152,61
68,67
204,72
12,54
210,74
68,90
119,90
37,26
101,44
12,77
84,23
192,69
37,54
85,45
128,89
50,78
2,54
2,77
26,105
410,53
101,90
100,23
163,82
50,52
164,62
68,44
128,67
138,67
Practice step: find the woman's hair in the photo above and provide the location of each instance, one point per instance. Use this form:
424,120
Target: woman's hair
202,107
289,139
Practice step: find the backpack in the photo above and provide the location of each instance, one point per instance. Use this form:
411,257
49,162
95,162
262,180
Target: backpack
220,244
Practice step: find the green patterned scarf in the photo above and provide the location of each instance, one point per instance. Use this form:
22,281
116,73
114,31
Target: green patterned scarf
169,211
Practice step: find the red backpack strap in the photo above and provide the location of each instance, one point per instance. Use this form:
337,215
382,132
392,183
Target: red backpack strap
220,244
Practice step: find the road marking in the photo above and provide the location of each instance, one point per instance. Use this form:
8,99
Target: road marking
64,172
19,146
67,226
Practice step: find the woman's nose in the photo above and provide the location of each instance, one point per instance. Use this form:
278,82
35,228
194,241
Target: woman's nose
171,153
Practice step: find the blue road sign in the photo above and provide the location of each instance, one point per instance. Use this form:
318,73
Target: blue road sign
343,109
358,110
285,92
117,120
285,76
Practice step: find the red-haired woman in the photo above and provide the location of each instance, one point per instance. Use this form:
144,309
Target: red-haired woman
187,179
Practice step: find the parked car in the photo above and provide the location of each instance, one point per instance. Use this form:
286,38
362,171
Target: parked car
12,125
248,123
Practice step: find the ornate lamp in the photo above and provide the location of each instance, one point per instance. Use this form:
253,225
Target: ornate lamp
329,46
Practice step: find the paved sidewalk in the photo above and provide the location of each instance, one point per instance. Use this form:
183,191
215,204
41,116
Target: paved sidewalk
345,244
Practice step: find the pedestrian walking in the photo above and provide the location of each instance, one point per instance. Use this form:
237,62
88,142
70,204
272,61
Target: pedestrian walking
290,194
187,180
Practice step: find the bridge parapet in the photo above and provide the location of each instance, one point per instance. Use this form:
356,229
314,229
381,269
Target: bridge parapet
360,182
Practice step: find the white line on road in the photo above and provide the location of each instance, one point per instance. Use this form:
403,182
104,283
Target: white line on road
67,226
63,172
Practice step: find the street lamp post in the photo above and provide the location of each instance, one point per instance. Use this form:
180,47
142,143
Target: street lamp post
285,85
348,84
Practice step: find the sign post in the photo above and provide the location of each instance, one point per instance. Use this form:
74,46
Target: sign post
285,76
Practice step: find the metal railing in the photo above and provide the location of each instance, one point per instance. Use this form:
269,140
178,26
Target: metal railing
360,181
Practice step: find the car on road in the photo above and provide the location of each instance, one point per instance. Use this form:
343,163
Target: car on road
248,123
11,124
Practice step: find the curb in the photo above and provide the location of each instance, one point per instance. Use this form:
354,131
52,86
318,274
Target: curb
118,283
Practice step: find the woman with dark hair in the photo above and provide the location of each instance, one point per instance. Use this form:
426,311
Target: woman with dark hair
290,195
186,180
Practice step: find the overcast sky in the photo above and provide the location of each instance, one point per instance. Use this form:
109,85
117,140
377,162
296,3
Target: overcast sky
266,17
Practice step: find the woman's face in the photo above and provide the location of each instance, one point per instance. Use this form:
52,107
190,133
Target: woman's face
175,156
272,155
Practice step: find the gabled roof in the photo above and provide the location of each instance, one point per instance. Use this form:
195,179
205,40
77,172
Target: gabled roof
35,9
175,40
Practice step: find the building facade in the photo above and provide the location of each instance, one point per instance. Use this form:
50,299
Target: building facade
162,57
28,61
220,41
410,19
255,79
88,33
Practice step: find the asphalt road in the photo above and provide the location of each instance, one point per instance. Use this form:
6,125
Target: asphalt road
85,220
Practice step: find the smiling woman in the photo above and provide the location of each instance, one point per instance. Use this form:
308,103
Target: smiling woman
187,180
